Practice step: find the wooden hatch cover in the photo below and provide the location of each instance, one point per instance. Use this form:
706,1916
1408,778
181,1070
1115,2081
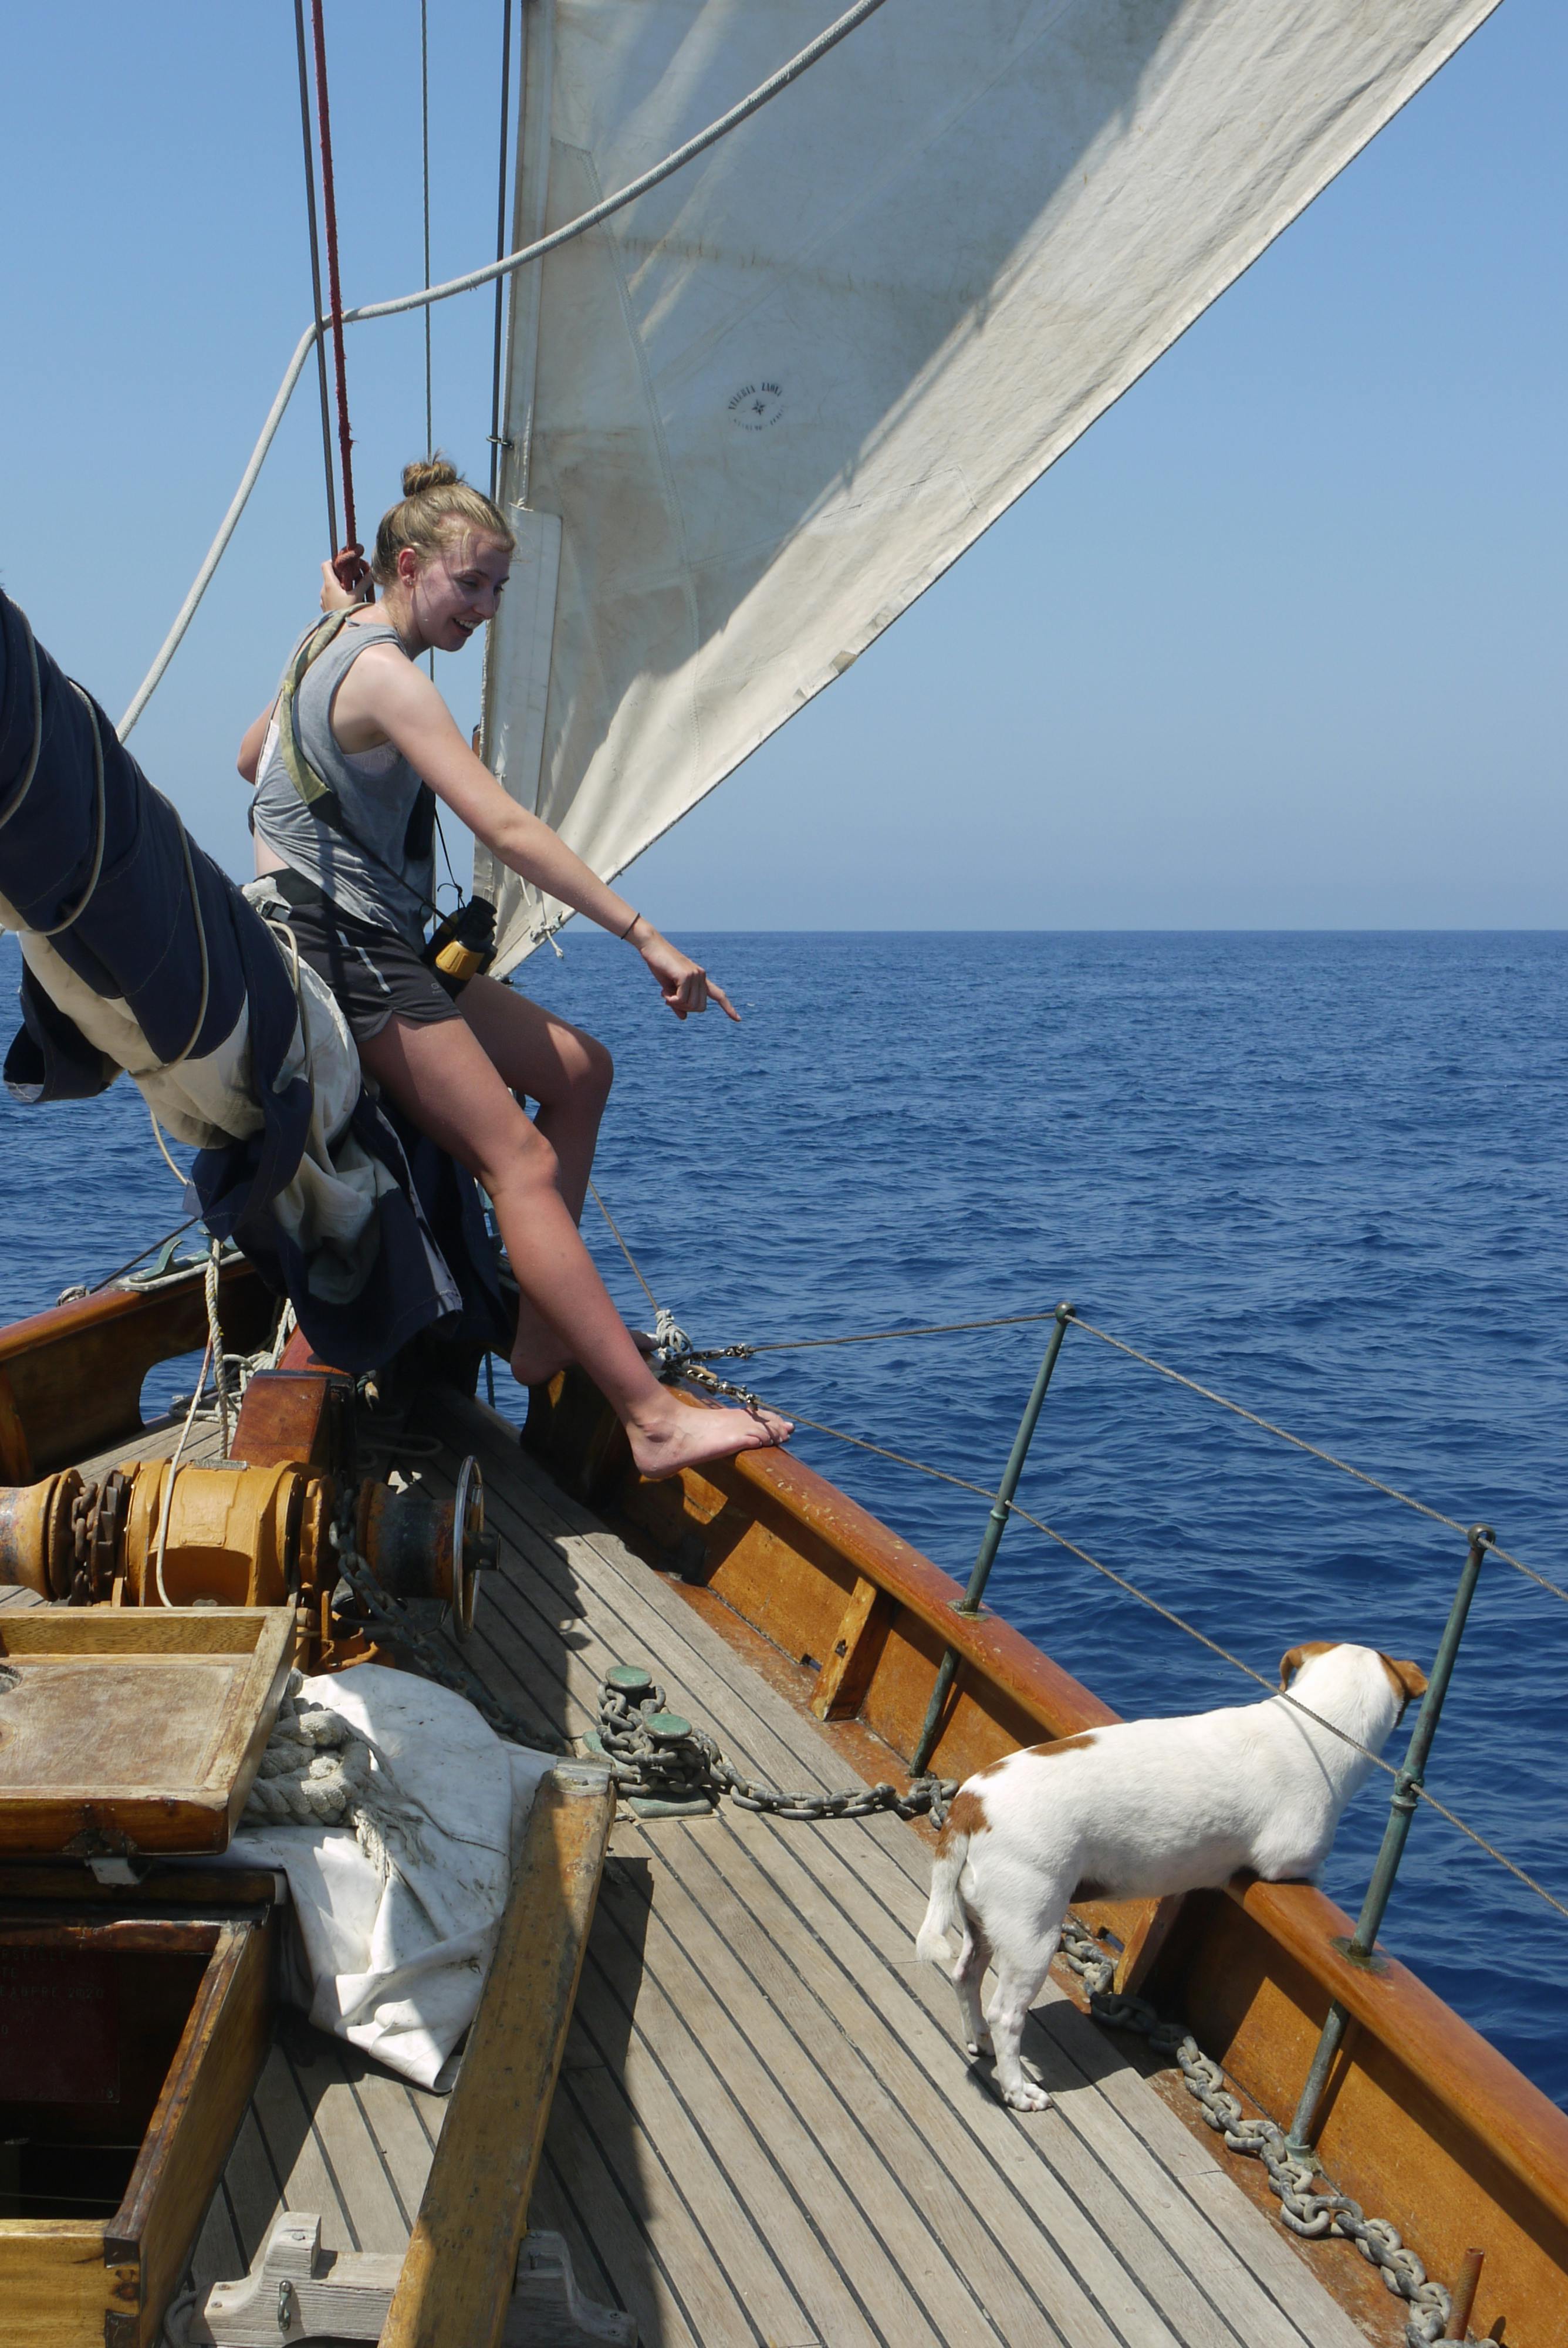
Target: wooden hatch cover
140,1729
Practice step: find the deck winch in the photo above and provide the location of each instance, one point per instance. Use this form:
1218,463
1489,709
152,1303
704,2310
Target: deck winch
238,1536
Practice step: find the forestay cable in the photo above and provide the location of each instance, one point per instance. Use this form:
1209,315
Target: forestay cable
500,242
693,147
350,552
315,270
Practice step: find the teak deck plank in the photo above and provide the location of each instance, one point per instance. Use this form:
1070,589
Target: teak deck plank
682,2106
765,2129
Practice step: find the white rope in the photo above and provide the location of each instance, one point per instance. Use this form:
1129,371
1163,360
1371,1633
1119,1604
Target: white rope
102,801
24,782
163,1597
178,1172
474,278
215,1342
318,1771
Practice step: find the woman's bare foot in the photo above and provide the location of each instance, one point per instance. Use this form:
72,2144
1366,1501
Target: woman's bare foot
665,1441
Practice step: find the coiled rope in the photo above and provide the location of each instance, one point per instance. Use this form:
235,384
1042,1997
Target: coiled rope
473,278
318,1771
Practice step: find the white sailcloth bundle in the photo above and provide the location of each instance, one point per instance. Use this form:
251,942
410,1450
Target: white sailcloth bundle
754,415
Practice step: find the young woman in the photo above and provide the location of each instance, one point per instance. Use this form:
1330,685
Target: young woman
457,1056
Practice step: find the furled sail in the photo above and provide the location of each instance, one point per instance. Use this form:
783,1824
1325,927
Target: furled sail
139,952
752,417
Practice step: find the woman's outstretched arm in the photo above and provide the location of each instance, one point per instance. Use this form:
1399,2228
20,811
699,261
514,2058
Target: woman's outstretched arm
387,692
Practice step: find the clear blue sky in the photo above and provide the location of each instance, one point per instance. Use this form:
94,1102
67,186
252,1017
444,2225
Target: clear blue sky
1279,644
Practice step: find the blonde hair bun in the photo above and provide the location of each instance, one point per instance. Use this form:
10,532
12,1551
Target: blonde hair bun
429,473
436,502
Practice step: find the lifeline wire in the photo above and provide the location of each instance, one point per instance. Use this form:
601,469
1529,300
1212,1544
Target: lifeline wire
492,271
963,1483
1015,1320
1390,1491
178,1233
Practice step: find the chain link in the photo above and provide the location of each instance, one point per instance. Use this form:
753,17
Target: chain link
437,1661
1312,2215
657,1756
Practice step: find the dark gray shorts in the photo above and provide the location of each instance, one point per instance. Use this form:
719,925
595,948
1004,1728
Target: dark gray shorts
374,973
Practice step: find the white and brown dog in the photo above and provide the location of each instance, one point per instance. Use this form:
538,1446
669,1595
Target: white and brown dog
1139,1810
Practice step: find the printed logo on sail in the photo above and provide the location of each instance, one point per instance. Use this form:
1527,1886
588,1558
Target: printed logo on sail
756,405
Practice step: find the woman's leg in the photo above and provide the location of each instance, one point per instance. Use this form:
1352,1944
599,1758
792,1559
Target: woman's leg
569,1074
567,1071
444,1078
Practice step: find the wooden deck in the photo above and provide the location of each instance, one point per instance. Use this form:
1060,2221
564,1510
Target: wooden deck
766,2129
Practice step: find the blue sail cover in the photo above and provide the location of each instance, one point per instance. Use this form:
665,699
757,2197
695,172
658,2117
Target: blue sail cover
167,933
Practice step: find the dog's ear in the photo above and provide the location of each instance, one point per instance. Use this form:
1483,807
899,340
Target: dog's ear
1290,1664
1410,1680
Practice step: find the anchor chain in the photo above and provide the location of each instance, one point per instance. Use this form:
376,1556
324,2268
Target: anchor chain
657,1756
1311,2215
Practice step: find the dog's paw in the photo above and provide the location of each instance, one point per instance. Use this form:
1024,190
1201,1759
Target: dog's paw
980,2046
1026,2098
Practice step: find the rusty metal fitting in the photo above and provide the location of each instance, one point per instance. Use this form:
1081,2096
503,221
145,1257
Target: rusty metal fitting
38,1532
237,1536
421,1547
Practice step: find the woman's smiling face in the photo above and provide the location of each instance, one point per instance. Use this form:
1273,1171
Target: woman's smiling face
455,591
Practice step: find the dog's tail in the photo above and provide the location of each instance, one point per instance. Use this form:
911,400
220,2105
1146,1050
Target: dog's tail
945,1918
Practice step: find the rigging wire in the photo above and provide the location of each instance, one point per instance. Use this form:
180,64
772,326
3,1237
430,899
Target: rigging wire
424,145
429,390
984,1493
352,554
1017,1320
500,245
316,273
492,272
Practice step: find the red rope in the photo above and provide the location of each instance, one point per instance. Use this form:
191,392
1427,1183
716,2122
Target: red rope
349,562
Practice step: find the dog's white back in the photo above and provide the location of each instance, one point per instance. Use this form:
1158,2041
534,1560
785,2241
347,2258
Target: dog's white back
1144,1808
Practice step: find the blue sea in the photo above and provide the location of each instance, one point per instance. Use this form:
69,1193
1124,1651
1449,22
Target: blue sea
1323,1174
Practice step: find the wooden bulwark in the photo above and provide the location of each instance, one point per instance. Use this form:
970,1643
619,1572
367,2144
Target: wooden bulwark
71,1379
457,2274
1424,2120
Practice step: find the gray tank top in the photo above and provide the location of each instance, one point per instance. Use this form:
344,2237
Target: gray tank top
389,886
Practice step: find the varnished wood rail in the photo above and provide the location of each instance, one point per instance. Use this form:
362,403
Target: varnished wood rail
71,1379
462,2256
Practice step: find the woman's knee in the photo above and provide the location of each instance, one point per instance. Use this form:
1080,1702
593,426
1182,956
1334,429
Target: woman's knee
598,1073
521,1154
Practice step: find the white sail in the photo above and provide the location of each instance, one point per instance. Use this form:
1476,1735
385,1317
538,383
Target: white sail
754,415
